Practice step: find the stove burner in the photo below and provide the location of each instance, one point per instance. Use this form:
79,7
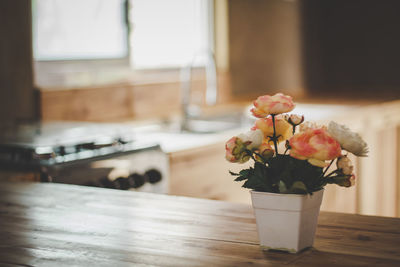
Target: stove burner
44,144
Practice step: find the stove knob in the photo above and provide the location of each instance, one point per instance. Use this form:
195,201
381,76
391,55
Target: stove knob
45,177
136,180
61,151
91,183
121,183
153,176
105,182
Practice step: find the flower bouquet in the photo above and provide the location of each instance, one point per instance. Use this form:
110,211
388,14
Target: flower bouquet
287,183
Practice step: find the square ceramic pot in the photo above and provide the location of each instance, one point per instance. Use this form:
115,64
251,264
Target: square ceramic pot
286,221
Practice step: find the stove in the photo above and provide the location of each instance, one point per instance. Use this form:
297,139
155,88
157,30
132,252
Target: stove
93,154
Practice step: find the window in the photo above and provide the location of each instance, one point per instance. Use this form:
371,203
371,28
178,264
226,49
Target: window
76,29
81,43
169,33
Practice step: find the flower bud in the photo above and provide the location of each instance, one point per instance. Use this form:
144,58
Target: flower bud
294,119
345,165
347,181
287,144
266,150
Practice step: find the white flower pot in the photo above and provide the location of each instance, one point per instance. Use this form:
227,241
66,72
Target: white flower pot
286,221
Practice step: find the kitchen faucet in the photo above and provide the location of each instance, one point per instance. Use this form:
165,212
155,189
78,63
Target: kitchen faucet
192,111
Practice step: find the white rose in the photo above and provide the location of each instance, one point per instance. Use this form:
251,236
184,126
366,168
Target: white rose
344,163
348,140
253,138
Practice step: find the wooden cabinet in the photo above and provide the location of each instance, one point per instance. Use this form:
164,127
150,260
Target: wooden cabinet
203,172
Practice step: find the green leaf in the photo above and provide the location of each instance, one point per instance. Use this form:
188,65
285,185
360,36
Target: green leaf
245,172
240,178
282,187
257,178
299,187
233,174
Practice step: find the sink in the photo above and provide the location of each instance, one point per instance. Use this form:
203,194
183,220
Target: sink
200,131
209,126
216,123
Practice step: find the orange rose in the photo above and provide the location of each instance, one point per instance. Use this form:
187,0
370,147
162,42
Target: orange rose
282,127
276,104
314,145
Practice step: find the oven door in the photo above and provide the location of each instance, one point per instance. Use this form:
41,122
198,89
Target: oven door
145,170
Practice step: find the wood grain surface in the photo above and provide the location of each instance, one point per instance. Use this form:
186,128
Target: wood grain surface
67,225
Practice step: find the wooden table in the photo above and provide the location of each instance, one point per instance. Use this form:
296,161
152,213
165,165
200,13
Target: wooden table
67,225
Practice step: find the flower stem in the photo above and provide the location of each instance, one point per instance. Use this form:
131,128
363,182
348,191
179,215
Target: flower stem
286,151
328,168
250,154
274,136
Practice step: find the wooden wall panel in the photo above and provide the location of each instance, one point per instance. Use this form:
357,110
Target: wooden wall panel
17,97
397,184
151,100
126,101
265,47
387,183
95,104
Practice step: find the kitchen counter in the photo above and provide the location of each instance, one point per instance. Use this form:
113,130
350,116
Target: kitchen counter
172,140
68,225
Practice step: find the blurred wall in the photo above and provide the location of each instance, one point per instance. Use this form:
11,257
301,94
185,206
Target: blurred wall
351,47
327,48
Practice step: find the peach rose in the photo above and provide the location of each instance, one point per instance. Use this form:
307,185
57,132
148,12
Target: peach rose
314,145
282,127
309,125
235,148
276,104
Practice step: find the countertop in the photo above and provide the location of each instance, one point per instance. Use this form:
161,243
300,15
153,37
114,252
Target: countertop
68,225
